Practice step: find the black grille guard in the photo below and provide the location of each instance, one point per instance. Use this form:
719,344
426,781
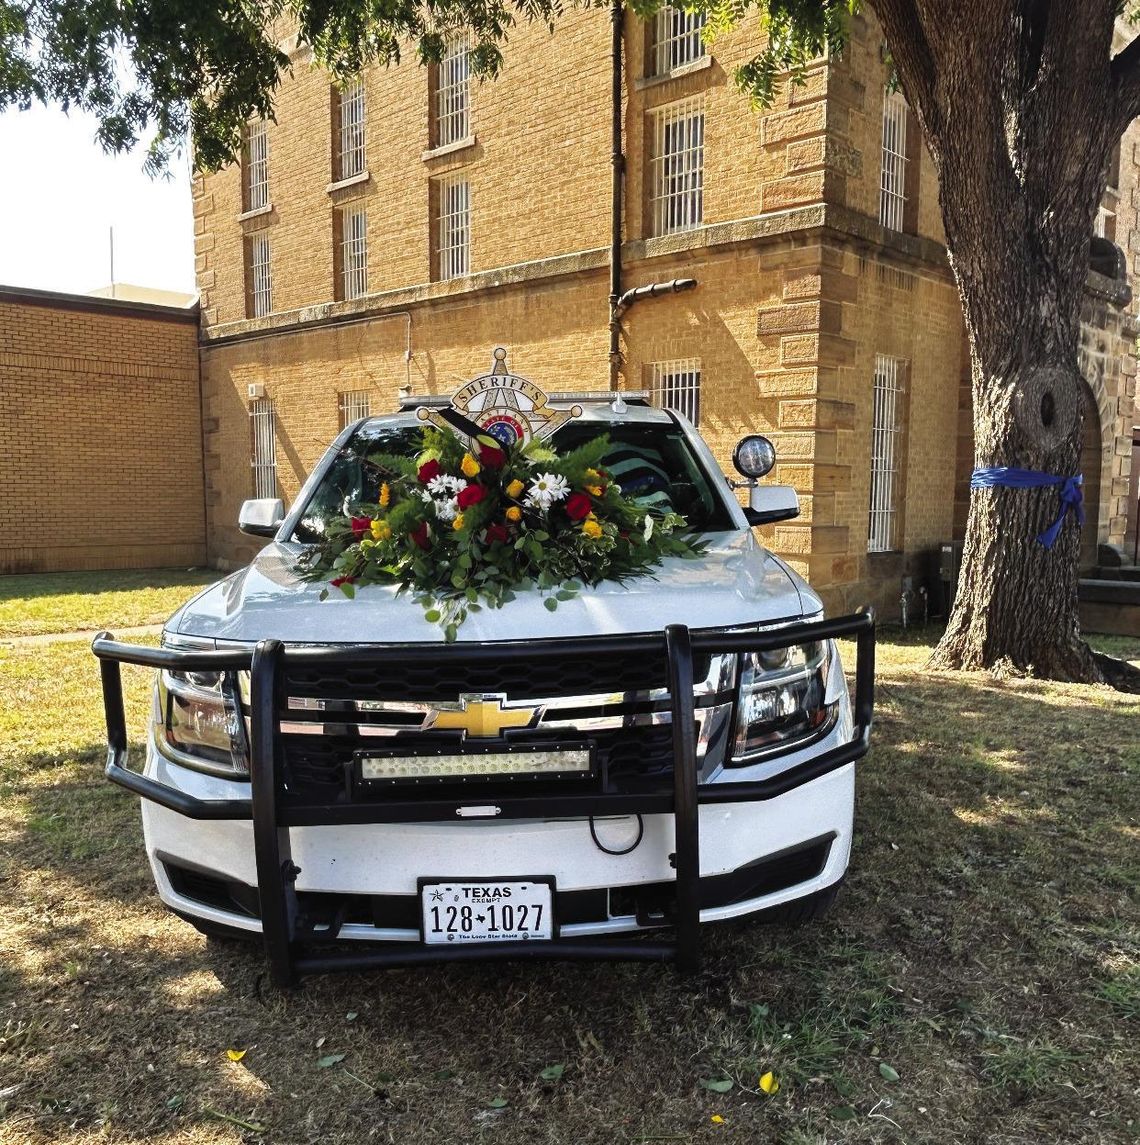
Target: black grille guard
272,817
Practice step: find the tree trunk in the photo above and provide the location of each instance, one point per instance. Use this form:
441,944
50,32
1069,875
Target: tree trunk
1019,133
1016,604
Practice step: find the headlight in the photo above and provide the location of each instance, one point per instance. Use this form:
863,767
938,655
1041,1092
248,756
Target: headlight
782,699
198,721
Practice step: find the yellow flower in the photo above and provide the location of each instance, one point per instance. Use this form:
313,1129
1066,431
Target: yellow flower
457,524
594,490
769,1084
235,1055
515,488
381,530
514,513
385,497
593,473
469,465
716,1119
591,528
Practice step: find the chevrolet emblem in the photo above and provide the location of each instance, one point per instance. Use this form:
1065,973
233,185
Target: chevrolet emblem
479,716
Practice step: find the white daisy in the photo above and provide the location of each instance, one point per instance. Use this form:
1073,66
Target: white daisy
546,489
446,509
444,485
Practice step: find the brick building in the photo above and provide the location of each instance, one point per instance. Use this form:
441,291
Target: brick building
383,238
101,465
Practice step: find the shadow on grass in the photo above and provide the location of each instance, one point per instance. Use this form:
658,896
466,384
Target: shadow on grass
990,900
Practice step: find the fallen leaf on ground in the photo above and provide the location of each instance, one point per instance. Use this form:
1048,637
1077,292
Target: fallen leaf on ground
236,1055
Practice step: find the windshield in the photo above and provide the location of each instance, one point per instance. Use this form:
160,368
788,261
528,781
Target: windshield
653,464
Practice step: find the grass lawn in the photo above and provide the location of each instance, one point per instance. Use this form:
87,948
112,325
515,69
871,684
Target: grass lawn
977,981
63,602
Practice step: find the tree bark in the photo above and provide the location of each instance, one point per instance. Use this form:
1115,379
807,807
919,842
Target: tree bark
1017,103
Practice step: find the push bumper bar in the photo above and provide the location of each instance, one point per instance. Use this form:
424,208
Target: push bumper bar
273,817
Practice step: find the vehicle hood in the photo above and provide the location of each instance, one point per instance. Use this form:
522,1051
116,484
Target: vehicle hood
736,582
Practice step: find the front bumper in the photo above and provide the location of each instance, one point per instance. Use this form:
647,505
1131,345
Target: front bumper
701,857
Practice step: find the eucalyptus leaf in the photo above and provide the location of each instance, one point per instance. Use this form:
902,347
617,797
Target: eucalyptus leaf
888,1071
717,1084
550,604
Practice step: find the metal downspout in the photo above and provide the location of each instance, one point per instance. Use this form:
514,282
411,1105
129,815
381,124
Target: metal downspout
617,162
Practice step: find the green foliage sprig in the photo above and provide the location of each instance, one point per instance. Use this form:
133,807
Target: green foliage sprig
462,530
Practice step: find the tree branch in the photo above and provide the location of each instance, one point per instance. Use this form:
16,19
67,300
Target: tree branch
1126,83
910,50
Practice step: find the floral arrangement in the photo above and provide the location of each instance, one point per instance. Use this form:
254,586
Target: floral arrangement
463,527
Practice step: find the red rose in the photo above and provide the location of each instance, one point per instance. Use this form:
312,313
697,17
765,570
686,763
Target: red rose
578,506
336,582
420,535
361,525
491,457
470,495
496,535
428,470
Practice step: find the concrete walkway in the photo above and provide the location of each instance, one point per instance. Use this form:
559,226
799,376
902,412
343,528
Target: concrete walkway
81,634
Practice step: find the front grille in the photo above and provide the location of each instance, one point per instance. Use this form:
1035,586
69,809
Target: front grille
451,676
637,758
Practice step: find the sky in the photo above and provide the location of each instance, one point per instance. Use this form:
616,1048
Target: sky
60,195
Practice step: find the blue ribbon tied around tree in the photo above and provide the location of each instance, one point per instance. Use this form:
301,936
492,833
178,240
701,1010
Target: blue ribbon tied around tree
1012,478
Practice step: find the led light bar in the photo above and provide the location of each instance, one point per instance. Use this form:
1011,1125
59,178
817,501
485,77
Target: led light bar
483,766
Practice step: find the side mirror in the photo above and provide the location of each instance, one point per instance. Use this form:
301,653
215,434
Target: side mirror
770,503
262,516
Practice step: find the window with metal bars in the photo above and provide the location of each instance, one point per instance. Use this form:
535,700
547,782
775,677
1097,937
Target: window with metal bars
453,227
886,453
677,163
451,97
258,277
349,159
677,386
675,40
892,193
353,405
352,251
255,166
263,447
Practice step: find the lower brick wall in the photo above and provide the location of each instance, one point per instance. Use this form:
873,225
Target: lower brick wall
101,465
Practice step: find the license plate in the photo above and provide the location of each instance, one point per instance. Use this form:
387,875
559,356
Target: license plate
486,911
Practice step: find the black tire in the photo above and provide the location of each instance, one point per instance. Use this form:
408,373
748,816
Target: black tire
810,908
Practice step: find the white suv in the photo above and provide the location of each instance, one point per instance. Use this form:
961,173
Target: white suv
660,753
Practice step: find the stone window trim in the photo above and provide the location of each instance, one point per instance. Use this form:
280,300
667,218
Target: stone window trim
352,181
256,213
694,67
449,148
